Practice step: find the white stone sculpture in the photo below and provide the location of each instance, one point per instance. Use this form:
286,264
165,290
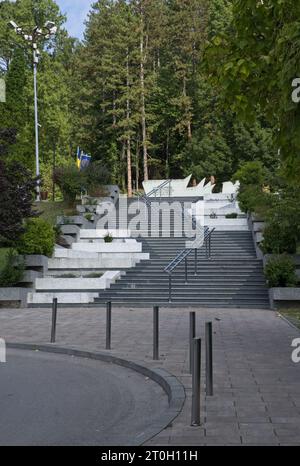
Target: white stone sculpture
179,188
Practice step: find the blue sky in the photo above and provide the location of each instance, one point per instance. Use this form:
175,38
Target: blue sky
76,11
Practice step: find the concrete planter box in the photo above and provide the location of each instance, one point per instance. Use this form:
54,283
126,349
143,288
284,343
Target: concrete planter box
281,296
46,299
258,237
70,230
74,220
101,261
101,233
238,224
36,262
258,226
14,297
127,246
77,284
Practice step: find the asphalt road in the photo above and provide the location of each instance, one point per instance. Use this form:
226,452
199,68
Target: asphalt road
48,399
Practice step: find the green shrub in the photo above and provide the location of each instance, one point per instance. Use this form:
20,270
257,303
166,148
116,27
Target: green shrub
12,272
252,199
39,238
279,239
71,182
108,238
282,232
251,173
280,271
93,275
89,216
232,215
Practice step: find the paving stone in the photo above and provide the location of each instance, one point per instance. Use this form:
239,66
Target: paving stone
256,387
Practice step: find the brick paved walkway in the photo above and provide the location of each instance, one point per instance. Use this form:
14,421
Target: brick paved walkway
257,386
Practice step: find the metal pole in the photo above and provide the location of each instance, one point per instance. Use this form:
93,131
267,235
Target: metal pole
108,325
53,172
54,319
156,333
192,336
170,287
37,159
196,382
209,358
196,261
186,270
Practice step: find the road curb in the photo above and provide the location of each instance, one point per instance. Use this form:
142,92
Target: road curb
169,383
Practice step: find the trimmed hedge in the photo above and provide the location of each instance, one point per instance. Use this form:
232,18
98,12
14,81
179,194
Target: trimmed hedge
39,238
280,271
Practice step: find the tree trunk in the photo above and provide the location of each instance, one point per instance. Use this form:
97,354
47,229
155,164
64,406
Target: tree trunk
129,174
143,111
167,155
137,164
123,172
189,123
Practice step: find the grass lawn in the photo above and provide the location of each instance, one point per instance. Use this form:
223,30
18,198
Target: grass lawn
50,210
292,314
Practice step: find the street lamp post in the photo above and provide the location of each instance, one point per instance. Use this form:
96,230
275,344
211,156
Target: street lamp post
48,30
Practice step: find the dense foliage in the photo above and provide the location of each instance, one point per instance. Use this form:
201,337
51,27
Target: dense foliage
13,269
38,238
17,190
137,93
280,271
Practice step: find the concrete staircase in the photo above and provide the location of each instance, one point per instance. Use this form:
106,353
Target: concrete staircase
233,277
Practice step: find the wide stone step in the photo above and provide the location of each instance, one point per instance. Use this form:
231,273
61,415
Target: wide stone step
40,299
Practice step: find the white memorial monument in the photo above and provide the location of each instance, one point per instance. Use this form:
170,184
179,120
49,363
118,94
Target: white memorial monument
179,188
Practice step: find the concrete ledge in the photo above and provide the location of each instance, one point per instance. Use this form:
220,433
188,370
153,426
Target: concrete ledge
101,233
80,284
14,295
168,382
70,230
127,246
45,299
258,226
36,262
284,295
73,220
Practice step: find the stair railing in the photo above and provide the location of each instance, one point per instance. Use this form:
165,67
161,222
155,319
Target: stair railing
183,256
154,191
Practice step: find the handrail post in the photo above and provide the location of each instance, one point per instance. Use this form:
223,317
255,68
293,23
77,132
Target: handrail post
192,336
54,320
170,287
108,325
196,261
186,270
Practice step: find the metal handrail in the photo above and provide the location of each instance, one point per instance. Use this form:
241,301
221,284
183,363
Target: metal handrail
183,255
158,188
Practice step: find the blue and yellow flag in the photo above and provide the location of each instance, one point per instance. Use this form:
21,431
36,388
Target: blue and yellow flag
78,158
85,160
82,159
